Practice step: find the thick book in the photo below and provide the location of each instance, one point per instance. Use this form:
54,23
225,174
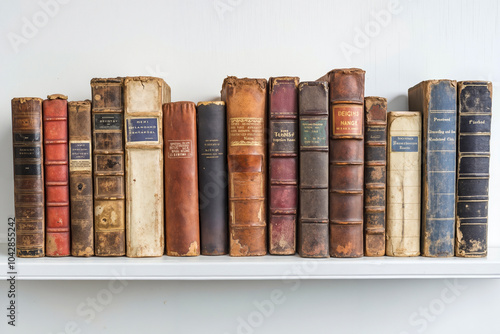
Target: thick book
212,177
246,147
55,147
144,215
109,168
181,179
80,178
283,164
404,134
313,236
473,167
27,134
346,161
437,101
375,175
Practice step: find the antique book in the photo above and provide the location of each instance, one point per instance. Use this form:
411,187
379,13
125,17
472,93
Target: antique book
312,240
80,178
283,164
246,147
212,177
404,129
375,175
181,179
346,161
437,100
109,168
29,192
473,162
55,147
144,215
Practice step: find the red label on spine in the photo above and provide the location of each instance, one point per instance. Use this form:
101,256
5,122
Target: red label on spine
347,120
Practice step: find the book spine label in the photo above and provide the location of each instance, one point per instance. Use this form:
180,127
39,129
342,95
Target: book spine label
80,178
181,180
474,126
212,176
313,133
55,126
28,177
283,164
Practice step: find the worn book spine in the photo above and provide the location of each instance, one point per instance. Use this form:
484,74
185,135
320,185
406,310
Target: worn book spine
27,134
246,123
212,176
55,140
80,178
437,100
346,161
312,240
403,183
181,179
473,159
375,175
109,168
283,164
144,214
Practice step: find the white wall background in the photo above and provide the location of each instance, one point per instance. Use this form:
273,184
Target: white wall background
56,46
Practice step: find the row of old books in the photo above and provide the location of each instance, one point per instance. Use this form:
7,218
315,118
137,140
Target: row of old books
278,167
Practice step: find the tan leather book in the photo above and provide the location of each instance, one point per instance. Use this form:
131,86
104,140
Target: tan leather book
144,216
246,123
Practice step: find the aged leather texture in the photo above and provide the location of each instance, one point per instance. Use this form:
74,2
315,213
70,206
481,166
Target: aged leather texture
55,140
283,164
181,179
473,167
108,166
375,175
80,178
404,133
437,101
246,145
27,136
144,209
313,236
212,176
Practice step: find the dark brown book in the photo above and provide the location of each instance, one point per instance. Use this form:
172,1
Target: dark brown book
375,174
346,161
246,123
108,151
181,179
29,204
80,178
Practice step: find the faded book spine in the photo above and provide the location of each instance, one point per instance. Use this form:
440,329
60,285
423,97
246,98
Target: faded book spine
80,178
473,169
283,164
55,139
27,134
313,227
375,175
109,168
403,183
246,123
212,176
144,214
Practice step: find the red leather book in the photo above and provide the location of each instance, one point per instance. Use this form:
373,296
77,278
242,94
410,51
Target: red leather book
55,141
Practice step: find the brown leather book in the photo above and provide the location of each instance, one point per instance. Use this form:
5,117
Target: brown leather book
346,161
109,188
181,179
80,178
246,123
375,174
29,203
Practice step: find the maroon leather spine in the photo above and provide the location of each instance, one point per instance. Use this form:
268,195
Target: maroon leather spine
55,140
283,164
